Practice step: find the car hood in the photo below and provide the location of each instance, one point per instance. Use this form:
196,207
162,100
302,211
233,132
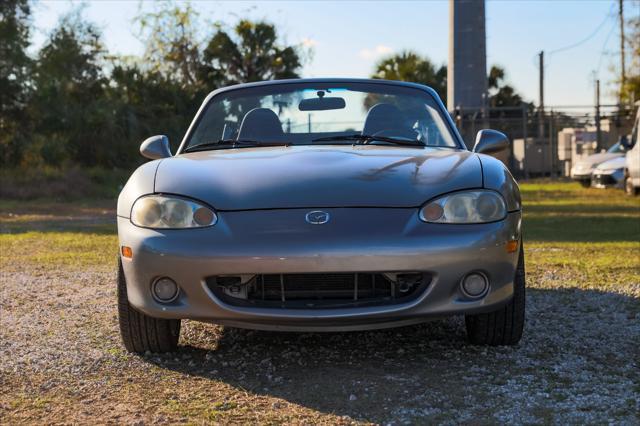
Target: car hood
318,176
616,163
595,159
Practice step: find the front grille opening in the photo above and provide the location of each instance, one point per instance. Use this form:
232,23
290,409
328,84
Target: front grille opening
319,291
604,180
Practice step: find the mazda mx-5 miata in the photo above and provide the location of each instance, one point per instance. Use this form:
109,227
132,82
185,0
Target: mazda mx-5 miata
320,205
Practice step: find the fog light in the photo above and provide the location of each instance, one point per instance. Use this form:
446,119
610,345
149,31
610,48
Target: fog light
165,290
475,285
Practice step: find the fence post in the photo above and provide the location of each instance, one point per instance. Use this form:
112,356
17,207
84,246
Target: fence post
597,118
525,118
552,155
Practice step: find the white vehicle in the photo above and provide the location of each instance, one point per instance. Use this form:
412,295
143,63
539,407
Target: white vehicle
632,169
609,174
582,170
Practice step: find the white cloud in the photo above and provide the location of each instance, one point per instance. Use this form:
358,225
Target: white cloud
309,42
383,50
377,51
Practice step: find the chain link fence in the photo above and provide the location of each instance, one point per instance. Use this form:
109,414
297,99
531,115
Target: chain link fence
545,144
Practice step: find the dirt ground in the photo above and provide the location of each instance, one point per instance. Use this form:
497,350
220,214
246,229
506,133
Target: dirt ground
62,360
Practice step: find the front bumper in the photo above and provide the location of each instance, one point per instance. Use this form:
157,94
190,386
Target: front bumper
607,178
581,176
355,240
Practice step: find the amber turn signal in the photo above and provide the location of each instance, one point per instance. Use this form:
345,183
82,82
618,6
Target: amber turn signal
512,246
127,252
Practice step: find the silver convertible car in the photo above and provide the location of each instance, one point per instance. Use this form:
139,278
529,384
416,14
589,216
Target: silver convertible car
320,205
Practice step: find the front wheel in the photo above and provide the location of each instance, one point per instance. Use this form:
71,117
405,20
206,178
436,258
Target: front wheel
629,188
141,333
585,183
505,325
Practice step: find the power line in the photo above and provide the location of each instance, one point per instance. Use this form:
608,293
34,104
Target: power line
604,48
584,40
534,58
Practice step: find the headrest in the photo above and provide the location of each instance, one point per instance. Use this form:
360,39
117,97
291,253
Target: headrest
261,124
383,117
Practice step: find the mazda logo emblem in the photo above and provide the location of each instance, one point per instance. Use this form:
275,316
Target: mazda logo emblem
317,217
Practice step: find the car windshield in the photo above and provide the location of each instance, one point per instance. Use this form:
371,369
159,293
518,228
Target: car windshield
321,113
616,148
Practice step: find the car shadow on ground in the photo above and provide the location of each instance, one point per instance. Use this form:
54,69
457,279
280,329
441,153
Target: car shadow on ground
428,372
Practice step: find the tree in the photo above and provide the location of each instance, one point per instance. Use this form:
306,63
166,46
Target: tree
15,66
171,37
73,104
630,91
182,63
68,107
500,94
145,103
409,66
505,104
251,52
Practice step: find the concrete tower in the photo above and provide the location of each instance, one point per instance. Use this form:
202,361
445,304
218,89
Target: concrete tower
467,67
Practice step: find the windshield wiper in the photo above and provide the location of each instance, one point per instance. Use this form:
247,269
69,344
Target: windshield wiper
365,139
230,142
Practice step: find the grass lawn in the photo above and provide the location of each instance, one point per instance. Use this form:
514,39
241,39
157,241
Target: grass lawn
63,361
591,236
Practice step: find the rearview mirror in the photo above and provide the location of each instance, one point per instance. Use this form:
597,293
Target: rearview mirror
155,147
321,104
490,142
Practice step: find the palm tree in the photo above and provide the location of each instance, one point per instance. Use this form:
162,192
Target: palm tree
410,66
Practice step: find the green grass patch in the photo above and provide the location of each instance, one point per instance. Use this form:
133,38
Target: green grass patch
567,212
576,228
596,266
47,183
74,249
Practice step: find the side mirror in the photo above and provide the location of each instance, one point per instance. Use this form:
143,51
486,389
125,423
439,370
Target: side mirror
490,142
155,147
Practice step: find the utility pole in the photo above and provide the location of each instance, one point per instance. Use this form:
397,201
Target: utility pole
598,132
623,77
541,106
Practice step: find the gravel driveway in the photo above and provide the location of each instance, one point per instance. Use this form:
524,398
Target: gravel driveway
62,361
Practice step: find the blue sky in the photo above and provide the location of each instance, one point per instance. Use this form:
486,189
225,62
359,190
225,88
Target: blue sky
348,37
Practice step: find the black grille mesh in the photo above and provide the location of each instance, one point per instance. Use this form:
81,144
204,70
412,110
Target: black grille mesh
321,290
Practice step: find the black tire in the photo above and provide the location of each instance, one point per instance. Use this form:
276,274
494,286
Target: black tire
141,333
585,183
505,325
629,189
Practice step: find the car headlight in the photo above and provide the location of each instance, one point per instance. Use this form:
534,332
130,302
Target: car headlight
478,206
584,167
166,211
607,168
